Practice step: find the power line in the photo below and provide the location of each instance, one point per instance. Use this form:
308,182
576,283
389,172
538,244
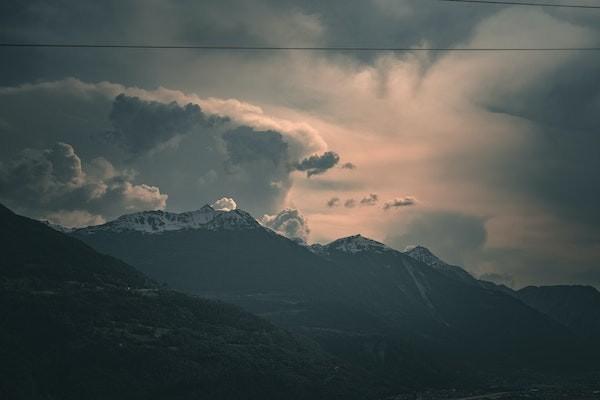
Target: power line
290,48
514,3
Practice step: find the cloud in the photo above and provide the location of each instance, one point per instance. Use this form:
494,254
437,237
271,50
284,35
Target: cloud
333,202
348,165
75,218
508,135
350,203
140,126
193,148
246,145
318,164
52,183
224,204
289,222
400,202
370,200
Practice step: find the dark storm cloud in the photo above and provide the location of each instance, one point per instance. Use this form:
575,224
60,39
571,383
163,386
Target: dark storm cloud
254,22
318,164
140,126
246,145
560,166
41,182
333,202
452,236
42,177
397,203
370,200
289,222
210,154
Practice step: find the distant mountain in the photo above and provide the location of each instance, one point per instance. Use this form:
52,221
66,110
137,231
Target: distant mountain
351,244
574,306
379,308
80,325
424,255
577,307
439,303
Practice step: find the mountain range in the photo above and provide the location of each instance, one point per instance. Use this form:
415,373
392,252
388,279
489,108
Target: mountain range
407,317
77,324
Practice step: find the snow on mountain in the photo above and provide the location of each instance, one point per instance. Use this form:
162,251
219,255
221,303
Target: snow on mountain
153,222
57,227
351,244
424,255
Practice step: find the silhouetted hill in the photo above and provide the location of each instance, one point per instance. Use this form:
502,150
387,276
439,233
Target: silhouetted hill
34,254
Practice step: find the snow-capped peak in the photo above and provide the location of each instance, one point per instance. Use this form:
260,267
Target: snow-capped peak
163,221
57,227
424,255
354,244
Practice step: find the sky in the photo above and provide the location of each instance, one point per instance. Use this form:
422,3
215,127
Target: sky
490,159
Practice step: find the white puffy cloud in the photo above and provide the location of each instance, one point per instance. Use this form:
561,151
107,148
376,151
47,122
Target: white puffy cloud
289,222
224,204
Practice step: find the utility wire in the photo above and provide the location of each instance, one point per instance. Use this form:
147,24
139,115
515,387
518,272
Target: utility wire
514,3
290,48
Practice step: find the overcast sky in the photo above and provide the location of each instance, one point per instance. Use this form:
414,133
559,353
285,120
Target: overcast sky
492,160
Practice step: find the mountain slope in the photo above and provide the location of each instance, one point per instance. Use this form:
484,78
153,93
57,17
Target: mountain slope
425,256
360,299
37,254
574,306
577,307
266,274
76,324
423,296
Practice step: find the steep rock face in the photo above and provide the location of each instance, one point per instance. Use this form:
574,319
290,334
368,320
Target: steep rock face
77,324
575,306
